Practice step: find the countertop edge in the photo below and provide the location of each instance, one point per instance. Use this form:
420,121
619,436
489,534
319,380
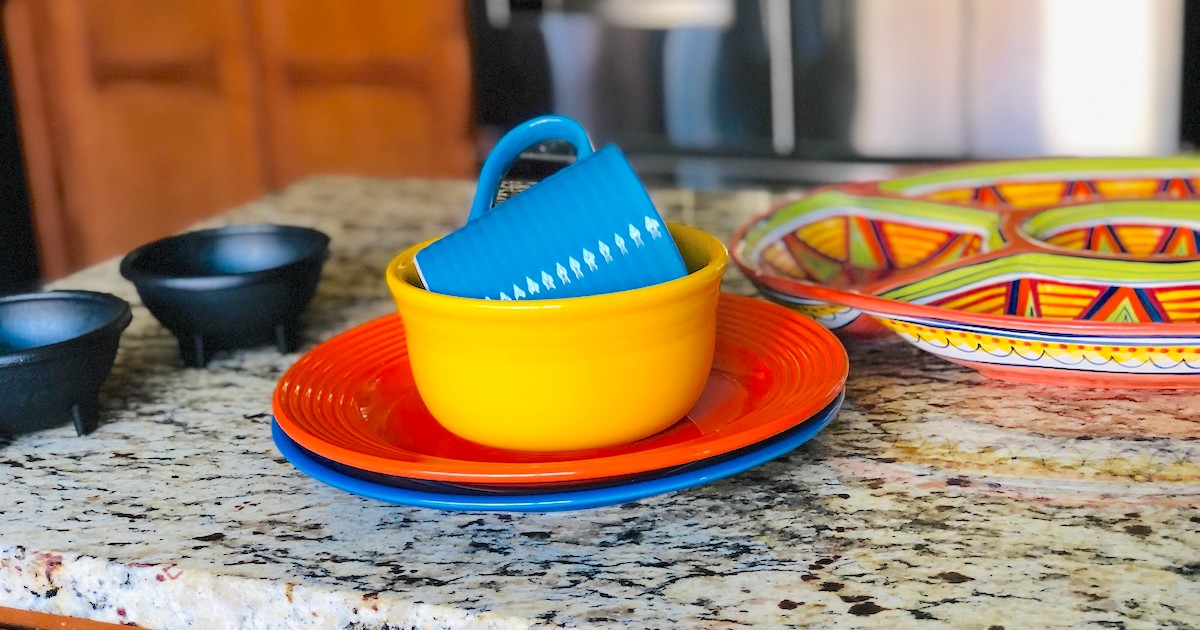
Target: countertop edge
173,596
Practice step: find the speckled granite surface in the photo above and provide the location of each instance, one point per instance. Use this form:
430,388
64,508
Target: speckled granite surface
937,499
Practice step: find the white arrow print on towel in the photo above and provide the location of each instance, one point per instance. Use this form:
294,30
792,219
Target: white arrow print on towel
574,268
654,228
635,235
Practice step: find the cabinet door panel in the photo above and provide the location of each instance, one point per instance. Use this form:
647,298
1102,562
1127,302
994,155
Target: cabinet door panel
378,87
332,30
367,130
168,163
143,32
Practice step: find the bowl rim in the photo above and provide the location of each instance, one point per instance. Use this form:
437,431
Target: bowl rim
414,296
887,307
139,276
121,317
1169,213
1032,170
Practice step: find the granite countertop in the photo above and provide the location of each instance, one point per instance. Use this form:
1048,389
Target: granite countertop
937,498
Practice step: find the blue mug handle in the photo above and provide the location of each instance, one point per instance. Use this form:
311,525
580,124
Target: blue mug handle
511,146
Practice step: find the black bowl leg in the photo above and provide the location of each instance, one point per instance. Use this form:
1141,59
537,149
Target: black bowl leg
287,336
192,350
86,416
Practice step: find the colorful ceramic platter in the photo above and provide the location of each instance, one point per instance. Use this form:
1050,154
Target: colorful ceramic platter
541,499
1074,272
352,400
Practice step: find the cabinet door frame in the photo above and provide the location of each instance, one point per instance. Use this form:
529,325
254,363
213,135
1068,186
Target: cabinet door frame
49,225
59,81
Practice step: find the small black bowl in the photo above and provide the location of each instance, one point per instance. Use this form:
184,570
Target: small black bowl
230,287
56,349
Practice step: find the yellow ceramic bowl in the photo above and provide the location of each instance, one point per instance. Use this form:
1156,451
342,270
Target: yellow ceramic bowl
574,373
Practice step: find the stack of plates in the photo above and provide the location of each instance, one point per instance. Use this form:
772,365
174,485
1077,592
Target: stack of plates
348,414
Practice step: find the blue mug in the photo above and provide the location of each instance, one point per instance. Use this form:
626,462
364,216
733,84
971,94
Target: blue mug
589,228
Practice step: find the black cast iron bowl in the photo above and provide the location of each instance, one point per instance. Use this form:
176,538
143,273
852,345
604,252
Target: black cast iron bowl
232,287
56,350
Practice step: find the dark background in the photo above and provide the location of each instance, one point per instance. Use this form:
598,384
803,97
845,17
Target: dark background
1190,110
18,258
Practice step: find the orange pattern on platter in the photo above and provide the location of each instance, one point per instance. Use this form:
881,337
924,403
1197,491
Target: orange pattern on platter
1136,240
1020,195
1053,299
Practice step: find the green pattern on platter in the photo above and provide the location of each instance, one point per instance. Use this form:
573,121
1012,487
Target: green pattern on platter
1180,213
1042,170
1125,272
1052,286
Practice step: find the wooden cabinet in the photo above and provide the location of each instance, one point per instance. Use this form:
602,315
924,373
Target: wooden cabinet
374,87
136,119
16,619
140,117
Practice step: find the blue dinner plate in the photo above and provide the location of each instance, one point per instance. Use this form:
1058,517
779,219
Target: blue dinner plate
616,494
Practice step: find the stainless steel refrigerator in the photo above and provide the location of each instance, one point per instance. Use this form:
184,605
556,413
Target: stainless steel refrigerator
829,89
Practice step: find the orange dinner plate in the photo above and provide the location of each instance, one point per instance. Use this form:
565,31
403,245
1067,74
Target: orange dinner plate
352,400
